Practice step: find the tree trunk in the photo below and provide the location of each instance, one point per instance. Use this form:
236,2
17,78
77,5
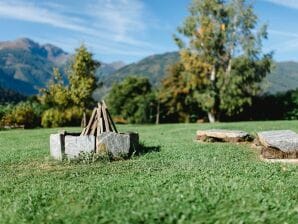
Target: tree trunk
211,114
211,117
84,121
213,73
157,113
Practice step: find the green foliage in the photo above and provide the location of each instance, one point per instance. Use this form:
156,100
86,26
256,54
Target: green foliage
57,94
5,109
176,96
291,103
82,81
89,158
52,118
238,90
220,35
55,117
10,96
185,182
132,99
66,104
23,114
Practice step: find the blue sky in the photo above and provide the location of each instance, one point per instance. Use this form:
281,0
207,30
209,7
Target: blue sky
130,30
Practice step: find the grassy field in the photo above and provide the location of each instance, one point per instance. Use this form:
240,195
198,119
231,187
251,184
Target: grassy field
177,181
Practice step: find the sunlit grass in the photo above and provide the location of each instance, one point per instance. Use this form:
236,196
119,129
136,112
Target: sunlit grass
186,181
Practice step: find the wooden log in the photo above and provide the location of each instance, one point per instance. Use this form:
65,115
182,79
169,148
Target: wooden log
101,125
94,126
84,121
90,122
111,122
105,118
99,116
82,133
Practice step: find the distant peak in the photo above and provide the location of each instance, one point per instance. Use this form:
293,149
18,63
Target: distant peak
117,64
24,40
21,43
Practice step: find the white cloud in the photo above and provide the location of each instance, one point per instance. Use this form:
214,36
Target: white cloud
112,26
283,33
289,46
287,3
32,13
120,17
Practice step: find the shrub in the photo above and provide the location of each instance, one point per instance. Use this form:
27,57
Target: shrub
52,118
57,118
131,99
23,114
5,109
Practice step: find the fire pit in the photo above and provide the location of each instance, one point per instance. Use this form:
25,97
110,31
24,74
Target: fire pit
99,136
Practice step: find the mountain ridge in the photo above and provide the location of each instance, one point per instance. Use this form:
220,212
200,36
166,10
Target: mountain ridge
26,66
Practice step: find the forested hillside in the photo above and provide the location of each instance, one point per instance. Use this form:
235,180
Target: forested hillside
26,66
10,96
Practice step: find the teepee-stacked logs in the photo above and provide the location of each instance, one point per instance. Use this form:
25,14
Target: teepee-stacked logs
100,121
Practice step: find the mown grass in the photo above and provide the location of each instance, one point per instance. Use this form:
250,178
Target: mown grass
184,182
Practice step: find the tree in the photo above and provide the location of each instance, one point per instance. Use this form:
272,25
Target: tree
23,114
221,34
66,104
82,81
176,95
131,99
56,94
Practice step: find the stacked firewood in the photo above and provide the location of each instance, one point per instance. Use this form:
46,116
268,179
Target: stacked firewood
100,121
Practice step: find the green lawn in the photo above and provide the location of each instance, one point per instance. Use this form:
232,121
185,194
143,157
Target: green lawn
184,182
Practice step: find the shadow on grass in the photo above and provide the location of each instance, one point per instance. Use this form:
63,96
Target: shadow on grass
144,149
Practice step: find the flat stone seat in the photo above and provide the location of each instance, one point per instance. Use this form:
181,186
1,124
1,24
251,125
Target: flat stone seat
279,144
222,135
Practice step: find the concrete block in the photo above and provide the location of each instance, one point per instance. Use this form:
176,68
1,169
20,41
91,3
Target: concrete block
117,144
57,146
76,144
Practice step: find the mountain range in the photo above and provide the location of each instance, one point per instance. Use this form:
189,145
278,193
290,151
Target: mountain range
26,66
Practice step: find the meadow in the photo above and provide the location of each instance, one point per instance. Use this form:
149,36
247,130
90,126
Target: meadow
175,180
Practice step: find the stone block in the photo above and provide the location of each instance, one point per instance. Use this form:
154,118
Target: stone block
117,144
222,135
76,144
284,140
57,146
280,144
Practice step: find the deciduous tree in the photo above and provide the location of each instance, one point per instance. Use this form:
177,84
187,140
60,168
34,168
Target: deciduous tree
131,99
223,54
82,81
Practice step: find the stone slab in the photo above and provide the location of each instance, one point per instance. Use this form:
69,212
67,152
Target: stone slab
57,146
117,144
74,145
283,140
223,135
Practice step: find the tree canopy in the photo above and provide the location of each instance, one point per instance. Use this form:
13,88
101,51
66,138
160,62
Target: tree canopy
131,99
66,104
222,56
